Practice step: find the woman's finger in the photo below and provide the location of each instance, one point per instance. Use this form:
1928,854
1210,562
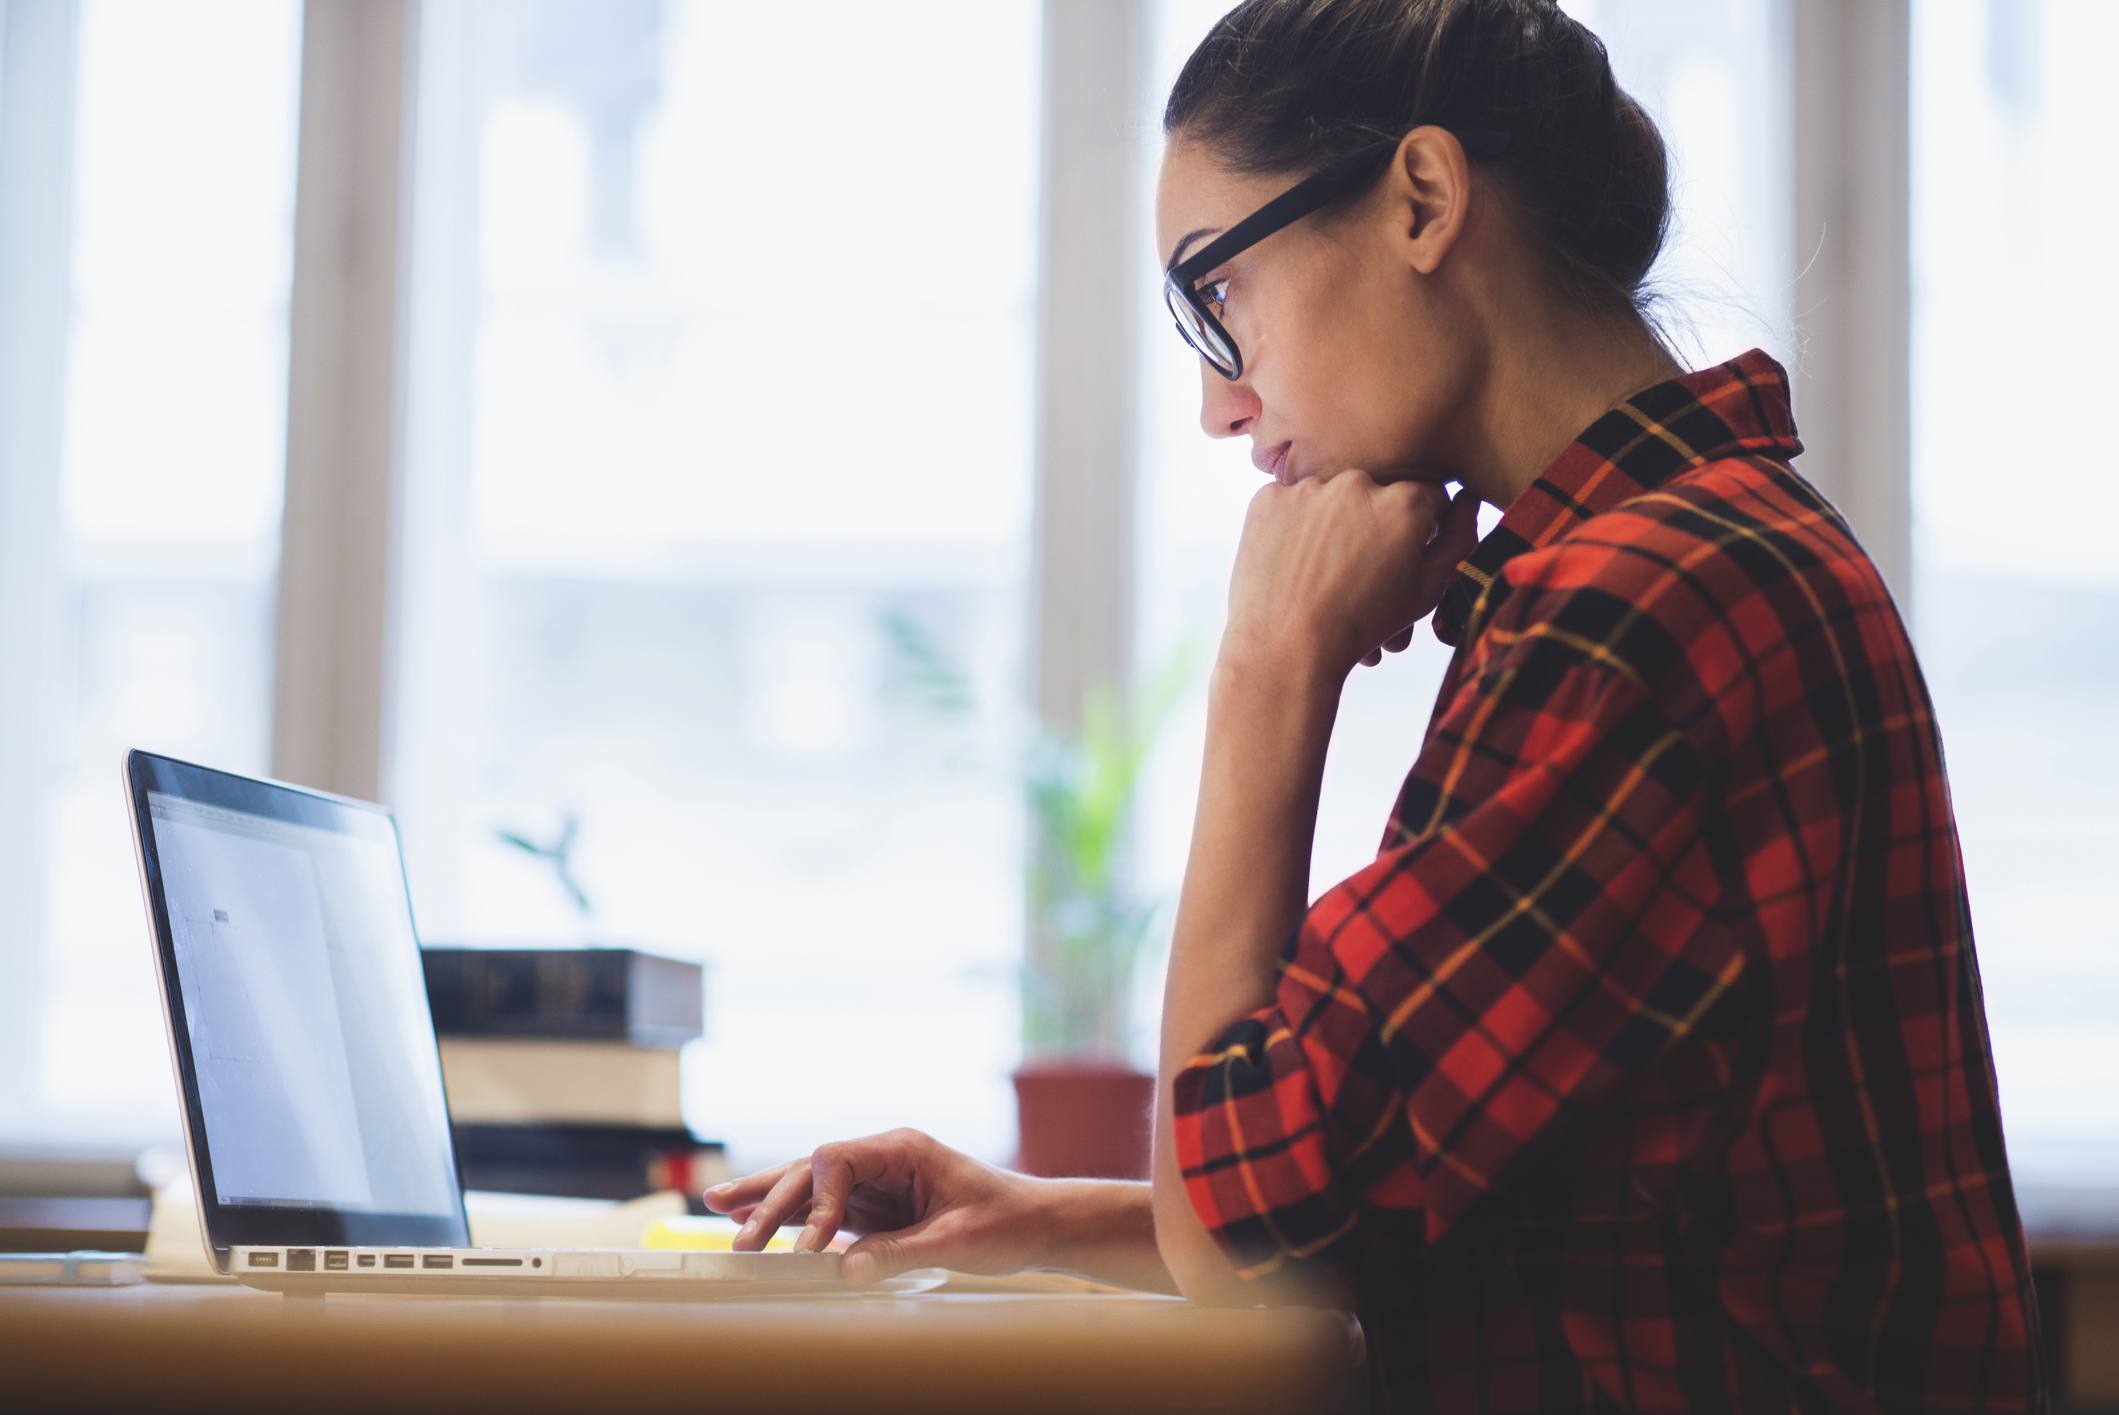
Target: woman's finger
881,1255
778,1206
1426,503
742,1215
834,1170
730,1194
1458,531
1455,537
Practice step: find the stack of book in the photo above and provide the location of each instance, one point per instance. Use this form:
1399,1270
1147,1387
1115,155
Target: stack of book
562,1068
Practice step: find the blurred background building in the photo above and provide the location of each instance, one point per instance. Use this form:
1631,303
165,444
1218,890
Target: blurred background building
522,410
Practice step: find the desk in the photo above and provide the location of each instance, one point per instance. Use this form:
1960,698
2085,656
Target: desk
220,1348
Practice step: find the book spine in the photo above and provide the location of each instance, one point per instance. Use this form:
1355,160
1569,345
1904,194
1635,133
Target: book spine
667,996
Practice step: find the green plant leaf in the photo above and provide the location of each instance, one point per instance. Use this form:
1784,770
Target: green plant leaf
927,666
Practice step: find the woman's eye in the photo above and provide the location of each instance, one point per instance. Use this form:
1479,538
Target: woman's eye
1218,292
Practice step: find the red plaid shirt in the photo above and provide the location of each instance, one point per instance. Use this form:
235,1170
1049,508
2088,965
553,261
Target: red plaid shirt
1646,1067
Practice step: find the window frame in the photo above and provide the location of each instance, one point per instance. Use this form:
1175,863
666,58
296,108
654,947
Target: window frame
38,66
1849,116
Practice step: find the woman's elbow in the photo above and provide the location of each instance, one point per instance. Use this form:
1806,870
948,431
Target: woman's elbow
1204,1275
1201,1273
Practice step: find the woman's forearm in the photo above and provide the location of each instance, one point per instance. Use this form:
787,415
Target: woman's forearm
1269,721
1102,1229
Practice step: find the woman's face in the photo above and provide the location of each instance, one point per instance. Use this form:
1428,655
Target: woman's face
1360,344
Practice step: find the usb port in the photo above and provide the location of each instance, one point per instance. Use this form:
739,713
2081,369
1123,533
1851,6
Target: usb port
397,1260
335,1261
301,1260
437,1260
366,1260
264,1260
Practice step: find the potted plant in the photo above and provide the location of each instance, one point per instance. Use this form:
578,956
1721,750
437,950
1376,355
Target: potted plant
1082,1101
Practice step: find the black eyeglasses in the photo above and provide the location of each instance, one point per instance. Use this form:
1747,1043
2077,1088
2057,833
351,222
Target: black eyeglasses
1199,325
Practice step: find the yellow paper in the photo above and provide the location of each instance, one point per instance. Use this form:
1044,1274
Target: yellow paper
711,1232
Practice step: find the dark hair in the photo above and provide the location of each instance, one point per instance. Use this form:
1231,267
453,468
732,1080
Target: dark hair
1287,85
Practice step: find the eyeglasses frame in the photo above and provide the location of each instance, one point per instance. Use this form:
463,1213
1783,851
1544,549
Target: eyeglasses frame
1336,178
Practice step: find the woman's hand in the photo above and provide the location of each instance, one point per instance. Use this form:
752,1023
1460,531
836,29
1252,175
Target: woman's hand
919,1203
1337,569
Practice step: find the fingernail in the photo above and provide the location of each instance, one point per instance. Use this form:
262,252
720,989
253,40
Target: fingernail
808,1240
723,1187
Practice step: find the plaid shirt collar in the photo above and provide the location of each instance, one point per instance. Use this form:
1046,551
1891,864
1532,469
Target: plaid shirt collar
1732,409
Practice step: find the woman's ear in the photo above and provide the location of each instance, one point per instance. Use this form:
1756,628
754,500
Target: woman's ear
1430,195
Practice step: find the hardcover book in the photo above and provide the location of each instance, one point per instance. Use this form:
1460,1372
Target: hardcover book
586,994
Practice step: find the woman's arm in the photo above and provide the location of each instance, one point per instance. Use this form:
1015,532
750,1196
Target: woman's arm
1103,1229
1269,720
1543,933
918,1203
1331,572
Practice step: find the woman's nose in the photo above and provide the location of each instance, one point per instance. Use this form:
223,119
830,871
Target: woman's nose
1226,406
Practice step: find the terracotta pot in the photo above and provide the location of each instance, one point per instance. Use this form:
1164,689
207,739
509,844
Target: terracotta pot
1083,1118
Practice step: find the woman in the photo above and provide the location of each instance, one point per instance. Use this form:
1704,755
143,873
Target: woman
1646,1066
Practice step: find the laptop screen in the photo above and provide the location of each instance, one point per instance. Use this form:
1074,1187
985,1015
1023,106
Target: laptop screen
299,1011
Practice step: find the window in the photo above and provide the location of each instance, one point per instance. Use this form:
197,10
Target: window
2017,584
144,546
735,377
719,375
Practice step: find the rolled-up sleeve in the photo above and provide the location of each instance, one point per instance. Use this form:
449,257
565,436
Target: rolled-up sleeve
1535,932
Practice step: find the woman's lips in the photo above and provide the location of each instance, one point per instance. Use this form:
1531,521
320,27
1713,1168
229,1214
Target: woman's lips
1275,464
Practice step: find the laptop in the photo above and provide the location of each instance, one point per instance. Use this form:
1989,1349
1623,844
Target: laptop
314,1117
